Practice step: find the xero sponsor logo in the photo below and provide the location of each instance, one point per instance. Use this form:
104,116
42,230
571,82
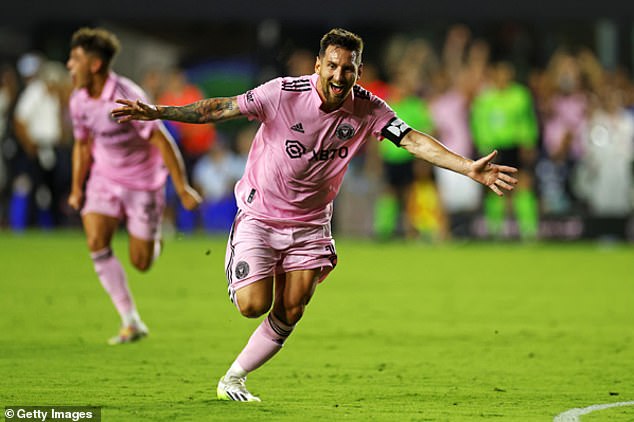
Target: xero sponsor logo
329,154
295,149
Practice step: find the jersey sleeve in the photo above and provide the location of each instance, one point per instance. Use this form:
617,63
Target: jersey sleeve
261,103
80,131
387,124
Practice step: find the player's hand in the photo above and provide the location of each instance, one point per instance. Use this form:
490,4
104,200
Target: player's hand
134,110
496,177
189,198
76,199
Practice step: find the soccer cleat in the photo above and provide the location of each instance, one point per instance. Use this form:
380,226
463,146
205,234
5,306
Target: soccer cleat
129,334
233,388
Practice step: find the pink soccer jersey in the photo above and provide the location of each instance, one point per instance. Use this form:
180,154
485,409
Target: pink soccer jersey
300,153
450,112
568,116
120,151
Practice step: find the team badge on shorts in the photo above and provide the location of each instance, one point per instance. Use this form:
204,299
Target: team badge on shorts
345,131
242,270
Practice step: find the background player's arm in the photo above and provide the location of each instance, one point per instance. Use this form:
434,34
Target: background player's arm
494,176
210,110
82,159
174,162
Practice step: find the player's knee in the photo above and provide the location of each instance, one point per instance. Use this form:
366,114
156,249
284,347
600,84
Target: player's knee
253,308
292,315
142,266
141,262
95,243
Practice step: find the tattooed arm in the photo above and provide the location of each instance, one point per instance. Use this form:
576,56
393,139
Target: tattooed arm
210,110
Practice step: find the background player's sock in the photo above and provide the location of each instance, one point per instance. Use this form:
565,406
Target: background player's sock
114,281
264,343
494,214
527,213
386,212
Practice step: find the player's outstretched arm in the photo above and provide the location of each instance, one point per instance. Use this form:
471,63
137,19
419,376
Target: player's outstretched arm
496,177
209,110
174,163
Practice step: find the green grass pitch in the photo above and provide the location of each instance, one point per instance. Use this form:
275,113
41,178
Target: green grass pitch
398,332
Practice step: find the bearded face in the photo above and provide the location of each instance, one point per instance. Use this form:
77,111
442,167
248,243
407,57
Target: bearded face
338,70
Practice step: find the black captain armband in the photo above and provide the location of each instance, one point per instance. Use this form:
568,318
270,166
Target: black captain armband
395,130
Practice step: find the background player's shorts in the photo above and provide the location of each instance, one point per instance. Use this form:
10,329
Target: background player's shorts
509,157
142,209
399,175
258,249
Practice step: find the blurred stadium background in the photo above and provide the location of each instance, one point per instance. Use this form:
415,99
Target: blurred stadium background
574,61
457,331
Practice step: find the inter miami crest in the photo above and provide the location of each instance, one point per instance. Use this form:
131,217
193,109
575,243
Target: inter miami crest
242,270
345,131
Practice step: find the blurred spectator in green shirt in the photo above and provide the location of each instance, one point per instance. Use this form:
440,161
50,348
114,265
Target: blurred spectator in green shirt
503,118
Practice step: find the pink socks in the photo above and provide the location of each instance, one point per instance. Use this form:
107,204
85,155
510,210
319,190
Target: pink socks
264,343
113,279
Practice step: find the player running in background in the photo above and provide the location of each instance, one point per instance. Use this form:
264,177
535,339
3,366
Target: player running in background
118,171
281,246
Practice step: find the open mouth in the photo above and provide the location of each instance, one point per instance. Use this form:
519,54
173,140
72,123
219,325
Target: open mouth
337,89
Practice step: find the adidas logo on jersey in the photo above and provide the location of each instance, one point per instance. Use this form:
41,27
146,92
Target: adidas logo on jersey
297,127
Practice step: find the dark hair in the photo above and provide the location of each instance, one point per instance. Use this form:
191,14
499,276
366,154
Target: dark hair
341,38
97,41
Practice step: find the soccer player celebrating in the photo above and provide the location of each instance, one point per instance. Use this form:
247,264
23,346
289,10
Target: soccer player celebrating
118,171
281,246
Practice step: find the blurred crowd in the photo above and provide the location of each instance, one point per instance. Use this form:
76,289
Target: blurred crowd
35,141
567,126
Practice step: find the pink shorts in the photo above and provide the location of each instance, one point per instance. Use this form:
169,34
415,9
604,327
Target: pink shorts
142,209
257,249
